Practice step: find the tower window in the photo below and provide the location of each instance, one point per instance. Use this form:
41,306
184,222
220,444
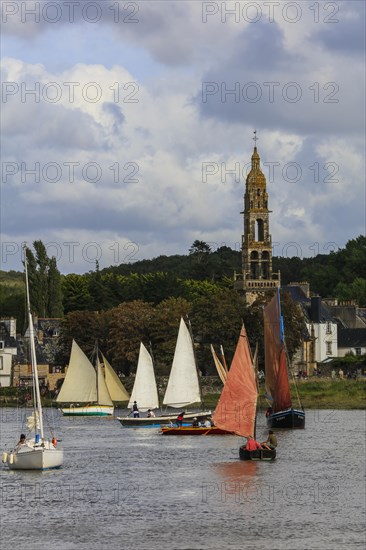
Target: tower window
258,192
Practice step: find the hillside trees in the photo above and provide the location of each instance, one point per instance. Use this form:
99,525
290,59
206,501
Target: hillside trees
44,282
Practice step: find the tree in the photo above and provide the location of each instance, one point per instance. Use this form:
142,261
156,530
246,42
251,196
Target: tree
54,306
76,294
129,324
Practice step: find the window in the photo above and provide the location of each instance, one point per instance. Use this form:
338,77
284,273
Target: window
1,363
358,351
329,328
329,348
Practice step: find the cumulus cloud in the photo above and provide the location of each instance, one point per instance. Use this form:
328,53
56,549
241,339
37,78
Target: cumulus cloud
138,161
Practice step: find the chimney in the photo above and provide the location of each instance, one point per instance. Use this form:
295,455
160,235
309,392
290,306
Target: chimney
315,309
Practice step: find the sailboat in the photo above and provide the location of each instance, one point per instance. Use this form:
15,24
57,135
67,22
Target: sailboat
85,384
38,452
281,413
237,407
183,385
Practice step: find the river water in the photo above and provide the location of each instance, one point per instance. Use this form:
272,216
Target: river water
123,488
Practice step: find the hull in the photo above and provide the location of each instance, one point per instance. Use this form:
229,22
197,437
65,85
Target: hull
90,410
190,430
29,457
291,418
262,455
159,421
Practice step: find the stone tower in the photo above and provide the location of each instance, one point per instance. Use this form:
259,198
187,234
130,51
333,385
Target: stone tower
257,276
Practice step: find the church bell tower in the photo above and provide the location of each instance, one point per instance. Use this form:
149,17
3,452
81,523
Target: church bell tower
257,276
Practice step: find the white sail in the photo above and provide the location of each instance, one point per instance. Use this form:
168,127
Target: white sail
103,396
80,384
144,391
183,385
116,389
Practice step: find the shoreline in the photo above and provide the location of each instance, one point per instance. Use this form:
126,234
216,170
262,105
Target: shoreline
315,393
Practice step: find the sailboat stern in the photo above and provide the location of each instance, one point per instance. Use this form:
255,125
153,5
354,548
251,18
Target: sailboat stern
290,418
44,456
260,454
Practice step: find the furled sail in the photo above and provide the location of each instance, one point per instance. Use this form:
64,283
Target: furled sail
183,385
144,391
277,384
79,385
116,389
219,366
237,406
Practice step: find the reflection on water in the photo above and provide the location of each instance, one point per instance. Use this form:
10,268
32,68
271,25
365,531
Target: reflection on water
135,489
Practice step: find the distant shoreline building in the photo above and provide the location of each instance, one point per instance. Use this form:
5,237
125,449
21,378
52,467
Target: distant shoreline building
257,276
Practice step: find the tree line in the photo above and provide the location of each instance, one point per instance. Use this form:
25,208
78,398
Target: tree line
124,304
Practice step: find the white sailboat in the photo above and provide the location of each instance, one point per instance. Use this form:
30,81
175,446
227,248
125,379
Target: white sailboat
85,384
144,389
37,452
183,385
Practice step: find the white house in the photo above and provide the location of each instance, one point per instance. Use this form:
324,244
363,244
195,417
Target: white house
8,348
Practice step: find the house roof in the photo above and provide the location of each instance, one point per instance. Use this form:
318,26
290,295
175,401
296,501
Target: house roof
351,337
10,341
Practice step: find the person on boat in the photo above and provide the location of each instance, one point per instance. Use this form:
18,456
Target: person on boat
21,440
271,442
252,444
150,414
207,423
135,410
180,419
195,422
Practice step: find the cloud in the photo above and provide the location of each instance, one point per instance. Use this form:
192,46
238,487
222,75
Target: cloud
119,158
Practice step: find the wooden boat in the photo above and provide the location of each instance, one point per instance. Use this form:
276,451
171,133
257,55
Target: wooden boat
37,452
237,407
190,430
161,420
183,387
85,384
281,413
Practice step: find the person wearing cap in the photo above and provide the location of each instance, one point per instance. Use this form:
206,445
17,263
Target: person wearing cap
150,414
271,441
195,422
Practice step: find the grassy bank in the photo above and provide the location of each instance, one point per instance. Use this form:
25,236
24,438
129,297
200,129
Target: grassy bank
321,393
317,394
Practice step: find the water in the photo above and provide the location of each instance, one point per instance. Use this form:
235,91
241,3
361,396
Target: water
123,488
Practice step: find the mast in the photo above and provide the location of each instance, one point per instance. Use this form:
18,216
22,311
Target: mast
153,362
96,367
36,392
195,361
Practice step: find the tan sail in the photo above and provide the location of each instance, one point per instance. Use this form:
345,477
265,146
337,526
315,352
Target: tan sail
219,366
236,408
104,397
80,384
116,389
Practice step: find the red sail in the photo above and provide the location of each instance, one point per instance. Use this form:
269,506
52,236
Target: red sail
236,409
282,399
277,384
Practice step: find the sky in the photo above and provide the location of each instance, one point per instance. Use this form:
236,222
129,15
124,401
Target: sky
127,126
